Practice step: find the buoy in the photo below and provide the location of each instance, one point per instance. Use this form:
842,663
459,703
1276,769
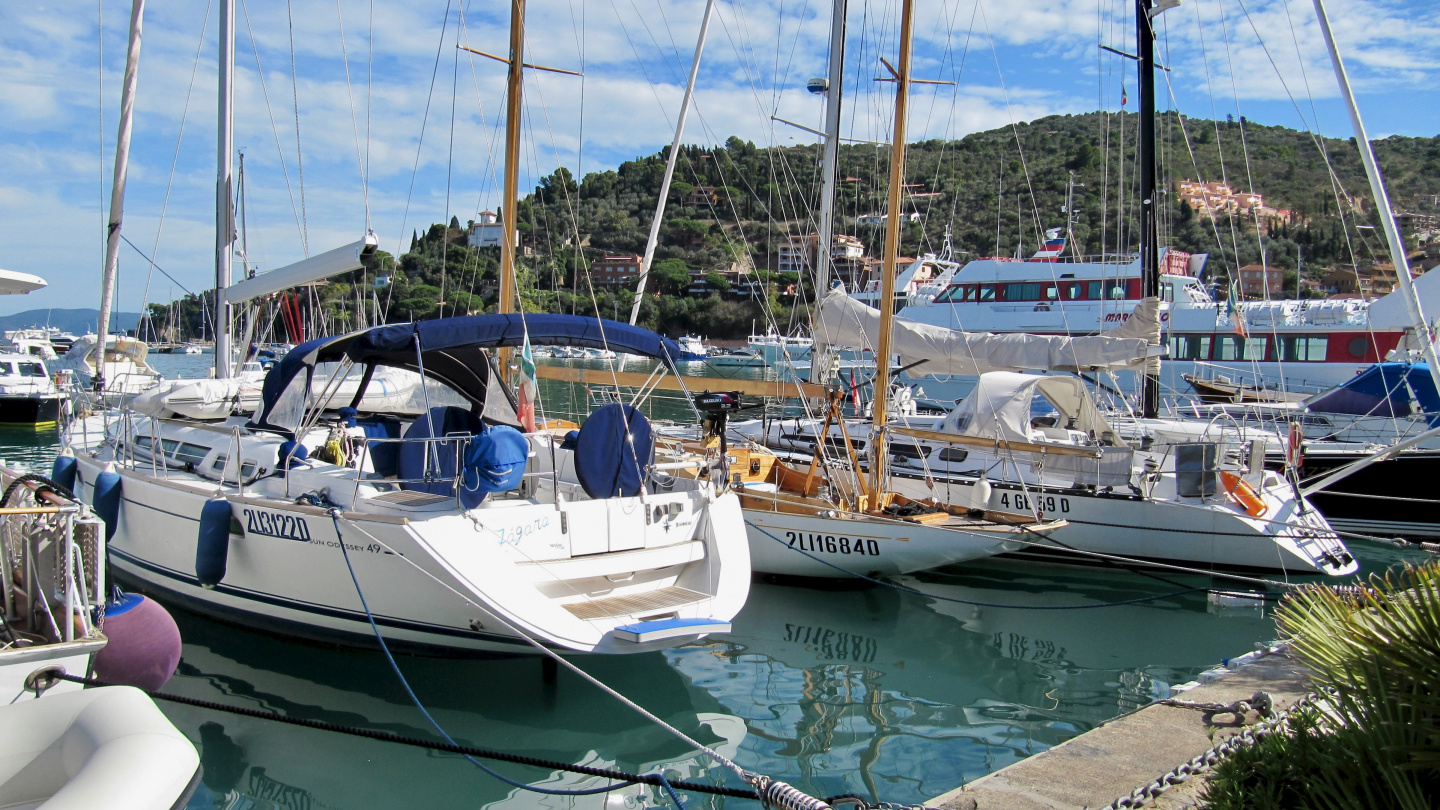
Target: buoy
144,644
106,500
212,546
1244,494
62,471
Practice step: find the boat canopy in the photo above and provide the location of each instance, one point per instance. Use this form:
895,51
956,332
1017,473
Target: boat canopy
1393,390
844,321
449,350
1000,407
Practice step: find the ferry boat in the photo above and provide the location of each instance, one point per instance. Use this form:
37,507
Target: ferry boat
1292,344
692,347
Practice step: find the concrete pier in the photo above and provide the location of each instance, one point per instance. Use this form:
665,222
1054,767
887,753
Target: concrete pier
1115,758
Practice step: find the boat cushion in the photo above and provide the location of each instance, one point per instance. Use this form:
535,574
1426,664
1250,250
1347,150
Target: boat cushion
384,456
495,460
446,420
612,452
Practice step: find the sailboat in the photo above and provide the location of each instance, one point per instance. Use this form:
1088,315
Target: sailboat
433,521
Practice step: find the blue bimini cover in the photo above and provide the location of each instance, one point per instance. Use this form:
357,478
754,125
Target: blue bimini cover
612,453
1390,390
495,460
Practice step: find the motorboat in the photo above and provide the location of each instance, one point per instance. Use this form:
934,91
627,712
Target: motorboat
692,347
121,366
28,395
736,358
450,528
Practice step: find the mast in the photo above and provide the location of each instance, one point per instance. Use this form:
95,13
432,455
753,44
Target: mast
117,187
1423,330
508,215
821,360
224,213
1149,220
670,165
892,249
832,149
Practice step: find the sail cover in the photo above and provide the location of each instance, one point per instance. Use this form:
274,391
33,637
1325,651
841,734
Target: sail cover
843,321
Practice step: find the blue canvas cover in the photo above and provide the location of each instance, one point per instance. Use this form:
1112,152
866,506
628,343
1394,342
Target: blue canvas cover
412,466
612,453
495,460
1391,390
454,351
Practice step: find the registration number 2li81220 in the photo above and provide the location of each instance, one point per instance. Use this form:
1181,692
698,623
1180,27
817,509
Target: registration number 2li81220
833,543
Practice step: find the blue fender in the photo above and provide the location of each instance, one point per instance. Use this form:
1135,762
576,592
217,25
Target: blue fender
106,501
212,546
62,472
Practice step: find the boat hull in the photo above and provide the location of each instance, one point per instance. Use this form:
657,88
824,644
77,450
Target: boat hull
22,410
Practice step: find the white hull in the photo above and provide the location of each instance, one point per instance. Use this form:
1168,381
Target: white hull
802,545
474,575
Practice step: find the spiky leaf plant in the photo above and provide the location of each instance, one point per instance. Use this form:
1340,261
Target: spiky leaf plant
1376,659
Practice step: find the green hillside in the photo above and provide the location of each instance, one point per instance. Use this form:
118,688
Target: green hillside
995,191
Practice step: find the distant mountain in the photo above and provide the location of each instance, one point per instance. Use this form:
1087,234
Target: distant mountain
78,321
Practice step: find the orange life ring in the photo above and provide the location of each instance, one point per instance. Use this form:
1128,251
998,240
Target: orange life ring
1244,494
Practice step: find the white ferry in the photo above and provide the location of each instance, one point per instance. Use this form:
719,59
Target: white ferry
1321,342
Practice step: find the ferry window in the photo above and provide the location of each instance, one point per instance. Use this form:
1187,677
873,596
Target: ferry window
1167,292
947,295
1234,347
1027,291
970,292
987,292
1051,293
1190,347
1305,349
1095,290
1072,289
31,370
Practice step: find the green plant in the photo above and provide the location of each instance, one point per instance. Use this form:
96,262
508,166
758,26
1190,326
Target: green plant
1374,743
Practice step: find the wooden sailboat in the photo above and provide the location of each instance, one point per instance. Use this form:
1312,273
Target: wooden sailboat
830,519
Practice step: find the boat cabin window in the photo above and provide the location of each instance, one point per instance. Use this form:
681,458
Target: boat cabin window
987,292
1189,347
31,369
1070,290
1051,293
1234,347
953,455
1301,348
1024,291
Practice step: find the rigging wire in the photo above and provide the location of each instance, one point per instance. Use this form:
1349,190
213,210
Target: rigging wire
295,101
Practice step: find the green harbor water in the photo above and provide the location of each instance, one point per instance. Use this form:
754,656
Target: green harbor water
894,695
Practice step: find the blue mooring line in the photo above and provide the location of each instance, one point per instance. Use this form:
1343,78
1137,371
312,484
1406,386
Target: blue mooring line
385,648
918,592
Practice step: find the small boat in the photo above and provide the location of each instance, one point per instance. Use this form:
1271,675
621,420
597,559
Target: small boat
28,395
1221,390
122,366
736,358
191,348
692,348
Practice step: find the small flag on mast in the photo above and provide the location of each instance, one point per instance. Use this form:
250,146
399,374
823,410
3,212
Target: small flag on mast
1124,95
528,393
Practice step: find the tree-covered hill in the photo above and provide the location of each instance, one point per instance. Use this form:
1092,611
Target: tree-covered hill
732,206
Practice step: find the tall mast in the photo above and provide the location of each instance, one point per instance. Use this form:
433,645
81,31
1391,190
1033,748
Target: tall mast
117,188
509,217
821,360
224,213
670,165
1149,219
892,249
1423,330
832,148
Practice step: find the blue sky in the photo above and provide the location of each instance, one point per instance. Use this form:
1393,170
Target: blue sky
363,100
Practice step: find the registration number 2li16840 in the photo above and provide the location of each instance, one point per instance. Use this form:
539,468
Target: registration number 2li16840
833,543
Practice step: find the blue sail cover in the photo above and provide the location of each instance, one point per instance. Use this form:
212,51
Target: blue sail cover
1391,390
453,351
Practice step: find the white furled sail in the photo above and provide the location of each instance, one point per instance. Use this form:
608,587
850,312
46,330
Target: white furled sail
844,321
327,264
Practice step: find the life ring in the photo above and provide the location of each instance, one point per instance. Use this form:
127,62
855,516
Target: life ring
1295,446
1244,494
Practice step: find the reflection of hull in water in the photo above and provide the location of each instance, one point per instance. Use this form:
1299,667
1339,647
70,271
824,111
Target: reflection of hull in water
887,679
501,704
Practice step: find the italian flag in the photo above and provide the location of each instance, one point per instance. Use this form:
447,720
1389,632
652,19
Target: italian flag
1232,308
528,393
